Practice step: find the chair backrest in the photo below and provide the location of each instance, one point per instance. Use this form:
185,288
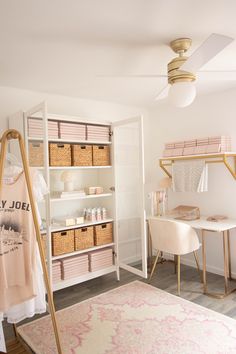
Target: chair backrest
173,236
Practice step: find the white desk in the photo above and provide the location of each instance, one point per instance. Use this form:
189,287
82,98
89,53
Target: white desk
223,227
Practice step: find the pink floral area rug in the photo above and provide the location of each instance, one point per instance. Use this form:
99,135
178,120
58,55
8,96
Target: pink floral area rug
134,319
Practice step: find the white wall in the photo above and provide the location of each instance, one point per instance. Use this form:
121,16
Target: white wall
209,115
13,100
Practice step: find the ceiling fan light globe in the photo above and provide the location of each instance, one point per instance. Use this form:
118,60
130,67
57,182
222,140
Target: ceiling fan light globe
182,94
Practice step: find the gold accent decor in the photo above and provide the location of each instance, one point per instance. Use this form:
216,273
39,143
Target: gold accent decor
167,162
175,74
181,45
7,136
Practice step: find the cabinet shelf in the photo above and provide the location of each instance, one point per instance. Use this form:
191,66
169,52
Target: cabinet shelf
53,168
82,251
94,133
167,162
91,275
78,167
63,228
91,196
69,141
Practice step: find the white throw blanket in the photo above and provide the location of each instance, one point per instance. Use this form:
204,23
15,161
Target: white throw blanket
190,176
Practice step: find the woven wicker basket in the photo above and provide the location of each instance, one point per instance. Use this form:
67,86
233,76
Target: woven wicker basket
63,242
103,234
84,238
82,155
101,155
36,154
60,154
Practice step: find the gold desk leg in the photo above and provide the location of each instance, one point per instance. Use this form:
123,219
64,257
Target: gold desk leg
227,268
204,263
226,261
229,255
178,274
197,263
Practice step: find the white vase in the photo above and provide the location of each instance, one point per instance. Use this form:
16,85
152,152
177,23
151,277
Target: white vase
68,186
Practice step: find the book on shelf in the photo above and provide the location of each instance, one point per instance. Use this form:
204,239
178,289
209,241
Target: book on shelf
71,194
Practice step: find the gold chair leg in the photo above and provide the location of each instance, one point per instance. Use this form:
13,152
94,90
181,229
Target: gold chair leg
154,266
178,273
175,262
197,263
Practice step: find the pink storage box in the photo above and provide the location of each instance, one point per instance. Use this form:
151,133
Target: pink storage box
168,153
98,133
72,131
190,143
213,148
169,146
179,144
200,149
202,141
189,151
177,152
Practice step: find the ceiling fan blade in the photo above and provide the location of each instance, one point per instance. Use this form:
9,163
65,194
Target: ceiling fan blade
163,93
217,75
209,48
148,76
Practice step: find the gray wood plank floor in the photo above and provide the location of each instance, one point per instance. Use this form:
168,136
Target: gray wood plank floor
164,278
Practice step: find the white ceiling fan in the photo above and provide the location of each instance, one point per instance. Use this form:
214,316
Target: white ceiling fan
181,70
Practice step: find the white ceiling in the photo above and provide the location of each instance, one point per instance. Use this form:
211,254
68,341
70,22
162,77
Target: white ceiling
65,46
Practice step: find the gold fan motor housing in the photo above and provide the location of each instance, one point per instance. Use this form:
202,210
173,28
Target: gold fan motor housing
180,46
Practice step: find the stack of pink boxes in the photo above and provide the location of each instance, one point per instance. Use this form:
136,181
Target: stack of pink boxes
35,128
209,145
56,271
53,131
98,133
72,131
100,259
75,266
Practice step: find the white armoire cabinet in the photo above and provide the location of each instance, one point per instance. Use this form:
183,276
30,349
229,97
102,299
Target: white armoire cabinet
123,196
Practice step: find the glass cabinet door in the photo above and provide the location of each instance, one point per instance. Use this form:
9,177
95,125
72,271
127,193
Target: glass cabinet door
130,229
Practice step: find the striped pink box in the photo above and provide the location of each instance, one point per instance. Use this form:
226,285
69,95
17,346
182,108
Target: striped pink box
200,149
168,153
213,148
177,152
98,133
189,151
179,144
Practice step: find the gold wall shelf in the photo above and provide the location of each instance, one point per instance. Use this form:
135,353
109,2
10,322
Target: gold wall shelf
166,162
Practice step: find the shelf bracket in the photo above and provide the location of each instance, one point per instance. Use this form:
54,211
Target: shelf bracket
167,162
231,169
